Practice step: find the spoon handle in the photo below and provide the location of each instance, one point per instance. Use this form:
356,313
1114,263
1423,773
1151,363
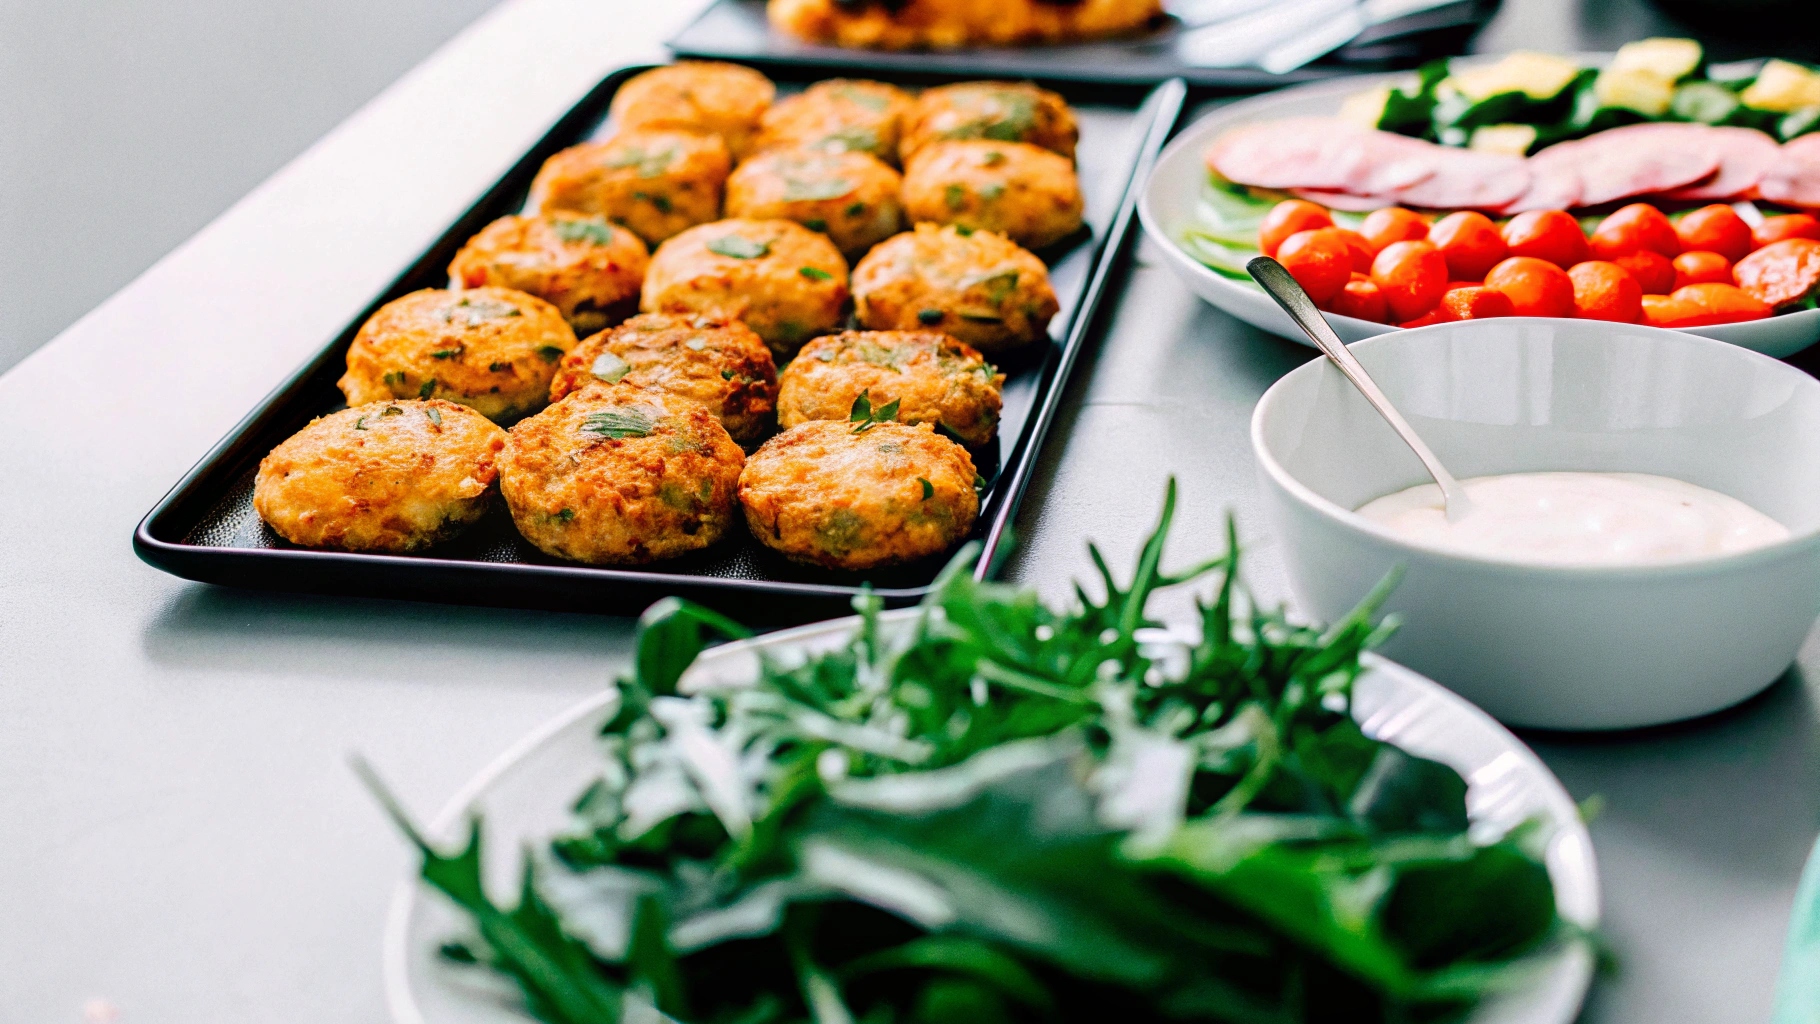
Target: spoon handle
1279,285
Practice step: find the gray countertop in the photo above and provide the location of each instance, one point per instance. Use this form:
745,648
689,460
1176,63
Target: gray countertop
180,839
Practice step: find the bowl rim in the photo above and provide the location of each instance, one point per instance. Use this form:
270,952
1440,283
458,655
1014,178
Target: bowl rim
1793,544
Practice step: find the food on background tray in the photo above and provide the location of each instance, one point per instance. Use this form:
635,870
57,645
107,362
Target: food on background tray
862,492
710,97
786,282
620,475
995,111
841,115
388,477
491,349
1009,812
851,197
720,365
927,376
951,24
589,269
978,286
657,183
1027,193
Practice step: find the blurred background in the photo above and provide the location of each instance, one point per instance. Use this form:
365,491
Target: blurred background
127,125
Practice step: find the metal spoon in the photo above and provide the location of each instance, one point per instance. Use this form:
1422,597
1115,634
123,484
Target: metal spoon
1279,285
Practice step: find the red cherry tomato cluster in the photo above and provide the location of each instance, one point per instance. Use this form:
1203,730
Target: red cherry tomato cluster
1636,267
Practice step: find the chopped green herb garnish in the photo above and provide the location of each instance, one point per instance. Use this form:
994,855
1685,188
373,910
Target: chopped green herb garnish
428,388
856,209
979,483
609,367
797,190
955,196
726,375
867,417
496,367
992,158
816,224
549,353
472,312
815,273
593,232
446,353
738,247
394,379
649,165
658,200
991,190
928,488
963,230
564,516
930,316
434,414
621,422
361,423
855,138
391,410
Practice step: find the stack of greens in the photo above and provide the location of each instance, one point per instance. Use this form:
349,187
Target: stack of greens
1007,812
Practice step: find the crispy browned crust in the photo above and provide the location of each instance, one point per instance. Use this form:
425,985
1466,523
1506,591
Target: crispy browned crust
721,365
933,378
981,288
790,288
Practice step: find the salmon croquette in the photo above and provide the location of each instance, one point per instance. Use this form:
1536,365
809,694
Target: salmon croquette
619,475
843,496
700,96
720,365
783,280
850,197
1024,192
587,268
993,111
390,477
979,287
841,115
656,183
932,377
946,24
493,350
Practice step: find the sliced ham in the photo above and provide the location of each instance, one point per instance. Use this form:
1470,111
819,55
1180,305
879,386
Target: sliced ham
1794,179
1303,152
1745,156
1343,200
1642,159
1466,179
1554,181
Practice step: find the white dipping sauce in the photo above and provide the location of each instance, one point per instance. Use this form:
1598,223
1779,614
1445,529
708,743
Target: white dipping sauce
1579,519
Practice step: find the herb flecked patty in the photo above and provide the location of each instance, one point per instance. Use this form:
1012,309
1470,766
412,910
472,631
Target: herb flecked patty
932,377
620,475
393,476
589,269
859,496
720,365
699,96
996,111
656,183
784,281
850,197
980,287
491,349
841,115
1024,192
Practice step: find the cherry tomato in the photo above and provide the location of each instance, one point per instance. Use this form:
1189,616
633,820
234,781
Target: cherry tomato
1551,235
1536,287
1390,225
1288,217
1436,315
1319,262
1606,291
1651,269
1776,229
1668,311
1470,243
1351,241
1362,299
1475,302
1698,267
1719,304
1638,227
1412,276
1716,228
1781,272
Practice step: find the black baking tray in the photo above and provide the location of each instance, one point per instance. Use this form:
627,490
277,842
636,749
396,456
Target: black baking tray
205,529
737,30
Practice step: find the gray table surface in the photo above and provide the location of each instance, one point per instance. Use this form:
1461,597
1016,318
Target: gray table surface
180,839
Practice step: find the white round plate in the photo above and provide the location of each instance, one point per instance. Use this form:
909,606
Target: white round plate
1168,209
525,797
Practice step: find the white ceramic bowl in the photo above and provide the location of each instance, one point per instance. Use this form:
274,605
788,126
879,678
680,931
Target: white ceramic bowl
1168,210
1557,647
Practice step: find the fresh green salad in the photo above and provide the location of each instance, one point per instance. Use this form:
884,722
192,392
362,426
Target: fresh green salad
1013,812
1529,101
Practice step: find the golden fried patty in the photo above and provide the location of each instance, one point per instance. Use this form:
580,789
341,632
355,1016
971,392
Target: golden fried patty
720,365
823,494
850,197
1024,192
587,268
786,282
993,111
619,475
840,115
981,288
386,476
702,96
933,378
491,349
946,24
656,183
